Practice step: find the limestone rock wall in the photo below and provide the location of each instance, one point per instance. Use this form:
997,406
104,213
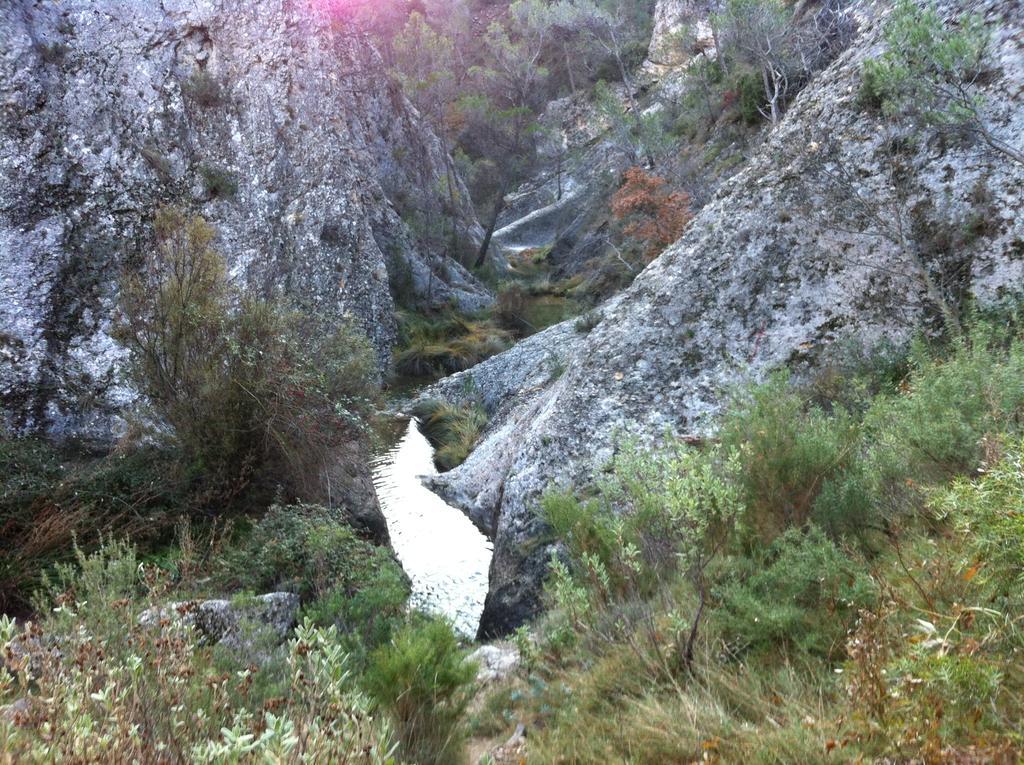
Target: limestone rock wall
275,123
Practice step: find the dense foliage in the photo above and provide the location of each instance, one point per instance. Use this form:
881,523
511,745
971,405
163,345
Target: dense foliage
858,569
254,391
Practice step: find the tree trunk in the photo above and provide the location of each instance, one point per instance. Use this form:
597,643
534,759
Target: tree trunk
499,205
568,68
691,639
999,145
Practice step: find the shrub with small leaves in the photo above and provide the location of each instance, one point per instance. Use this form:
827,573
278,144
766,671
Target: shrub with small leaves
424,682
650,213
801,591
257,394
92,682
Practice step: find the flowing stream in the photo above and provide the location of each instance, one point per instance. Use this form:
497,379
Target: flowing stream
444,554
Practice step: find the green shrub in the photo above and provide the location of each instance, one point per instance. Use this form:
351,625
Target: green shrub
454,430
928,67
218,183
750,96
790,450
934,429
988,513
121,690
424,683
257,395
659,517
801,591
653,515
401,281
312,551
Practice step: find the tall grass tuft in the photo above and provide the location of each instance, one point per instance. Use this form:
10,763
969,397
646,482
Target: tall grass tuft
453,429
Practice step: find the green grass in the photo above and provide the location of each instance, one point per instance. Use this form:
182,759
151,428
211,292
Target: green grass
453,430
433,346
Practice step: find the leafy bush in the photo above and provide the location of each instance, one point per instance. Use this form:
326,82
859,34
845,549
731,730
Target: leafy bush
988,513
143,692
658,516
800,591
310,550
650,213
453,429
927,65
935,428
424,682
254,392
750,97
790,450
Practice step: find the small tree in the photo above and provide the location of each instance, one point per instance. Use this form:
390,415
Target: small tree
501,127
930,73
755,36
650,213
425,66
251,389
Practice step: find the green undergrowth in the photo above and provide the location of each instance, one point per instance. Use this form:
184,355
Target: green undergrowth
836,578
51,496
342,580
361,680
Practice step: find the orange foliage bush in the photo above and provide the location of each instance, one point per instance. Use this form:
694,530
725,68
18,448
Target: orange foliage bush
651,214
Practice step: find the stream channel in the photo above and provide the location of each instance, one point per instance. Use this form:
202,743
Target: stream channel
444,554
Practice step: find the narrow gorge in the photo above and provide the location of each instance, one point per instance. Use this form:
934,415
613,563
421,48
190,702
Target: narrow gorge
511,381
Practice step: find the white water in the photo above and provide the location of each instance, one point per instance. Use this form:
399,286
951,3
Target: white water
444,554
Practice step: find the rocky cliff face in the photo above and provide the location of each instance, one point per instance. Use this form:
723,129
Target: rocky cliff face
779,268
275,123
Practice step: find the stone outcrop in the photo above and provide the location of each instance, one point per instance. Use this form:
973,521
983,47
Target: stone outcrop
245,625
779,268
681,31
272,120
495,661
